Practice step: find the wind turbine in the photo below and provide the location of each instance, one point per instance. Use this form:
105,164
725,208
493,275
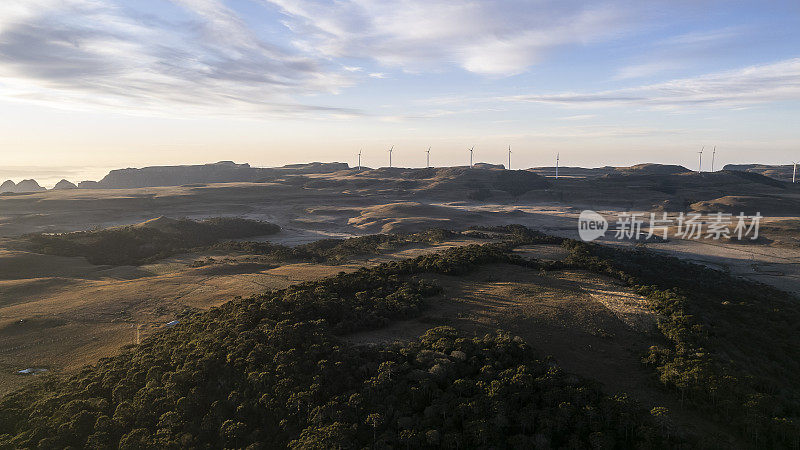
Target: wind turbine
390,156
359,159
509,157
713,155
700,167
470,156
428,158
558,155
794,171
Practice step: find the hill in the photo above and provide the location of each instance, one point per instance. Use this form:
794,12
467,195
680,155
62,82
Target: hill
652,169
658,188
147,241
447,183
220,172
8,186
274,371
23,187
296,367
64,184
410,216
750,205
638,169
779,172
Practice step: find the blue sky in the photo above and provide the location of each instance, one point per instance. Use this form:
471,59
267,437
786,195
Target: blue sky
87,85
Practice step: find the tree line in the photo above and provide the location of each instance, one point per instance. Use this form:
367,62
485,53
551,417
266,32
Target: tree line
140,244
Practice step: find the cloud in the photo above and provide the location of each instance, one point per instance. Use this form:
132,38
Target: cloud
202,57
775,82
95,53
588,132
645,69
684,50
579,117
707,38
480,36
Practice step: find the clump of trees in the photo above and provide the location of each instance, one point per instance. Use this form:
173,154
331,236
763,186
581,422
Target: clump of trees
449,391
336,251
271,371
733,345
139,244
515,235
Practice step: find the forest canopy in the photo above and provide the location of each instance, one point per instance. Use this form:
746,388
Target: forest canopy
274,370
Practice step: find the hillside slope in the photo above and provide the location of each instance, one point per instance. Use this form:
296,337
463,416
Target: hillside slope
282,369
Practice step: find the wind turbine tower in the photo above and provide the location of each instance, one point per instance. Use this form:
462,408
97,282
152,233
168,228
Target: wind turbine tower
794,171
428,158
359,159
390,155
558,155
470,156
713,155
509,157
700,167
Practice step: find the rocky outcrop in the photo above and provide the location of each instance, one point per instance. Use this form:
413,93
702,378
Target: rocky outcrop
64,185
482,165
23,187
88,185
221,172
29,186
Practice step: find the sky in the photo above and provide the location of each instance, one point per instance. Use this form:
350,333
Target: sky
91,85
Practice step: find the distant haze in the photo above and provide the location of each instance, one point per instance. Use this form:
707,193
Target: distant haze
49,176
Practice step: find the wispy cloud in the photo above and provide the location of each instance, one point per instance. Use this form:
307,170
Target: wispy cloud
481,36
645,69
683,50
438,112
706,37
203,57
579,117
591,132
94,53
751,85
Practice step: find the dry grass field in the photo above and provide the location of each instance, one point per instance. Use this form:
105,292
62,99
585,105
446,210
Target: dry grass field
60,313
